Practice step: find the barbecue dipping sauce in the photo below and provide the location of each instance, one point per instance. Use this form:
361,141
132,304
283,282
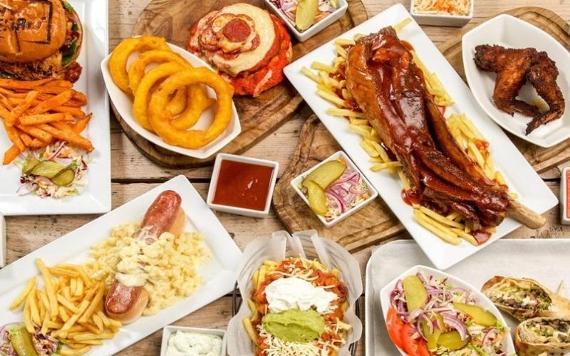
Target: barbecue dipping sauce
243,185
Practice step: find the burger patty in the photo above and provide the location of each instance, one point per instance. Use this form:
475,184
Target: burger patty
60,65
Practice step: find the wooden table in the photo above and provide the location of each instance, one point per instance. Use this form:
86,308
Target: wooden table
132,174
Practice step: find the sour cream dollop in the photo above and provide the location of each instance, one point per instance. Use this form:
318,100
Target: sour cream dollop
296,293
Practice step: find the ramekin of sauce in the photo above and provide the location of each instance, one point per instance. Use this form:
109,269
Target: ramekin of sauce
242,185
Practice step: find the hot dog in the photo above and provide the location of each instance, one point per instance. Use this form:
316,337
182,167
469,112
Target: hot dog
126,303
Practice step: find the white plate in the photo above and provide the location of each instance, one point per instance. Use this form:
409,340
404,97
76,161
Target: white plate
124,104
219,273
454,281
522,179
96,198
543,260
509,31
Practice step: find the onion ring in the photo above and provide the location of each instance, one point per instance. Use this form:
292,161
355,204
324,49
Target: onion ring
197,100
120,56
190,107
178,102
137,69
160,120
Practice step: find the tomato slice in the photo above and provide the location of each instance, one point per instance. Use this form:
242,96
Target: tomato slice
401,335
394,325
413,347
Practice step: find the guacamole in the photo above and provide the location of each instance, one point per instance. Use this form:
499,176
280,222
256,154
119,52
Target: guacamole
295,325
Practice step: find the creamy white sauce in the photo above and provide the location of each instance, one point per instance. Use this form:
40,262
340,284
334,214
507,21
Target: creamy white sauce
296,293
184,343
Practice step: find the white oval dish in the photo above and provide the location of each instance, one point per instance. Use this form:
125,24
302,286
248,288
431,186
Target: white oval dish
482,300
509,31
123,104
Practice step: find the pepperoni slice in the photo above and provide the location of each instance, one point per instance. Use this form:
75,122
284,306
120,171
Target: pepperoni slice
236,30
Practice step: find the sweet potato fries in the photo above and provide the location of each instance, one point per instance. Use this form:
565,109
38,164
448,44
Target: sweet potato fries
37,113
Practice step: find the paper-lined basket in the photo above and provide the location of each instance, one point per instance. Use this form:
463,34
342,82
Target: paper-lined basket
306,244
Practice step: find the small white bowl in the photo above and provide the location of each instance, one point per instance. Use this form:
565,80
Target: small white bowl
171,329
441,19
237,210
480,298
296,183
316,27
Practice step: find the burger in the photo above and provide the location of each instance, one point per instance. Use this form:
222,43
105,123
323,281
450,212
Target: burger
39,39
247,45
15,340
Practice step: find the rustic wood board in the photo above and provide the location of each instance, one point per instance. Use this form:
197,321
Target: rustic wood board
259,116
375,223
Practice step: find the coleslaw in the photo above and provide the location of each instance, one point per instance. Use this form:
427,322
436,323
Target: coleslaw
34,180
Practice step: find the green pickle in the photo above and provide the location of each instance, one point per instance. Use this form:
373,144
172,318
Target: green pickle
64,177
452,341
47,169
22,341
326,174
307,11
29,164
317,198
414,292
478,314
431,336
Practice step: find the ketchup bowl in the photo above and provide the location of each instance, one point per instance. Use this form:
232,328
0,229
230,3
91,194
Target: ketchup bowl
242,185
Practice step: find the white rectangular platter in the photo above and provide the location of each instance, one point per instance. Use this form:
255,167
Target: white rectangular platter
521,177
218,273
96,198
540,259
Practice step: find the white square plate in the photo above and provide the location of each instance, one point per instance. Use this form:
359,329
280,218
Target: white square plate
521,177
96,198
545,260
511,32
124,105
219,273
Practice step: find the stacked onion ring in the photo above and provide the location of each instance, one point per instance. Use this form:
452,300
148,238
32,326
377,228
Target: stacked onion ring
173,84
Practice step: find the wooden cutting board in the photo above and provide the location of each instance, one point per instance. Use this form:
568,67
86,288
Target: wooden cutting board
375,223
258,116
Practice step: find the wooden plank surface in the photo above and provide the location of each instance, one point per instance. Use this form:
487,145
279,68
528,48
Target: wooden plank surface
133,174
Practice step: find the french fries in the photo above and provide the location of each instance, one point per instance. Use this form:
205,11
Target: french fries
68,307
32,110
332,87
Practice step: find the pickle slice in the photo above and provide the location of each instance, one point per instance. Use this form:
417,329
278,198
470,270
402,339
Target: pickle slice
326,174
64,177
414,292
478,314
317,198
29,164
22,341
452,341
307,11
47,169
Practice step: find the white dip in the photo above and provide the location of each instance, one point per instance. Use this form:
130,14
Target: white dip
296,293
184,343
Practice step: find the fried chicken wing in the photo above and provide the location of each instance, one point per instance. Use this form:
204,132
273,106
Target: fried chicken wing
542,75
514,67
511,66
